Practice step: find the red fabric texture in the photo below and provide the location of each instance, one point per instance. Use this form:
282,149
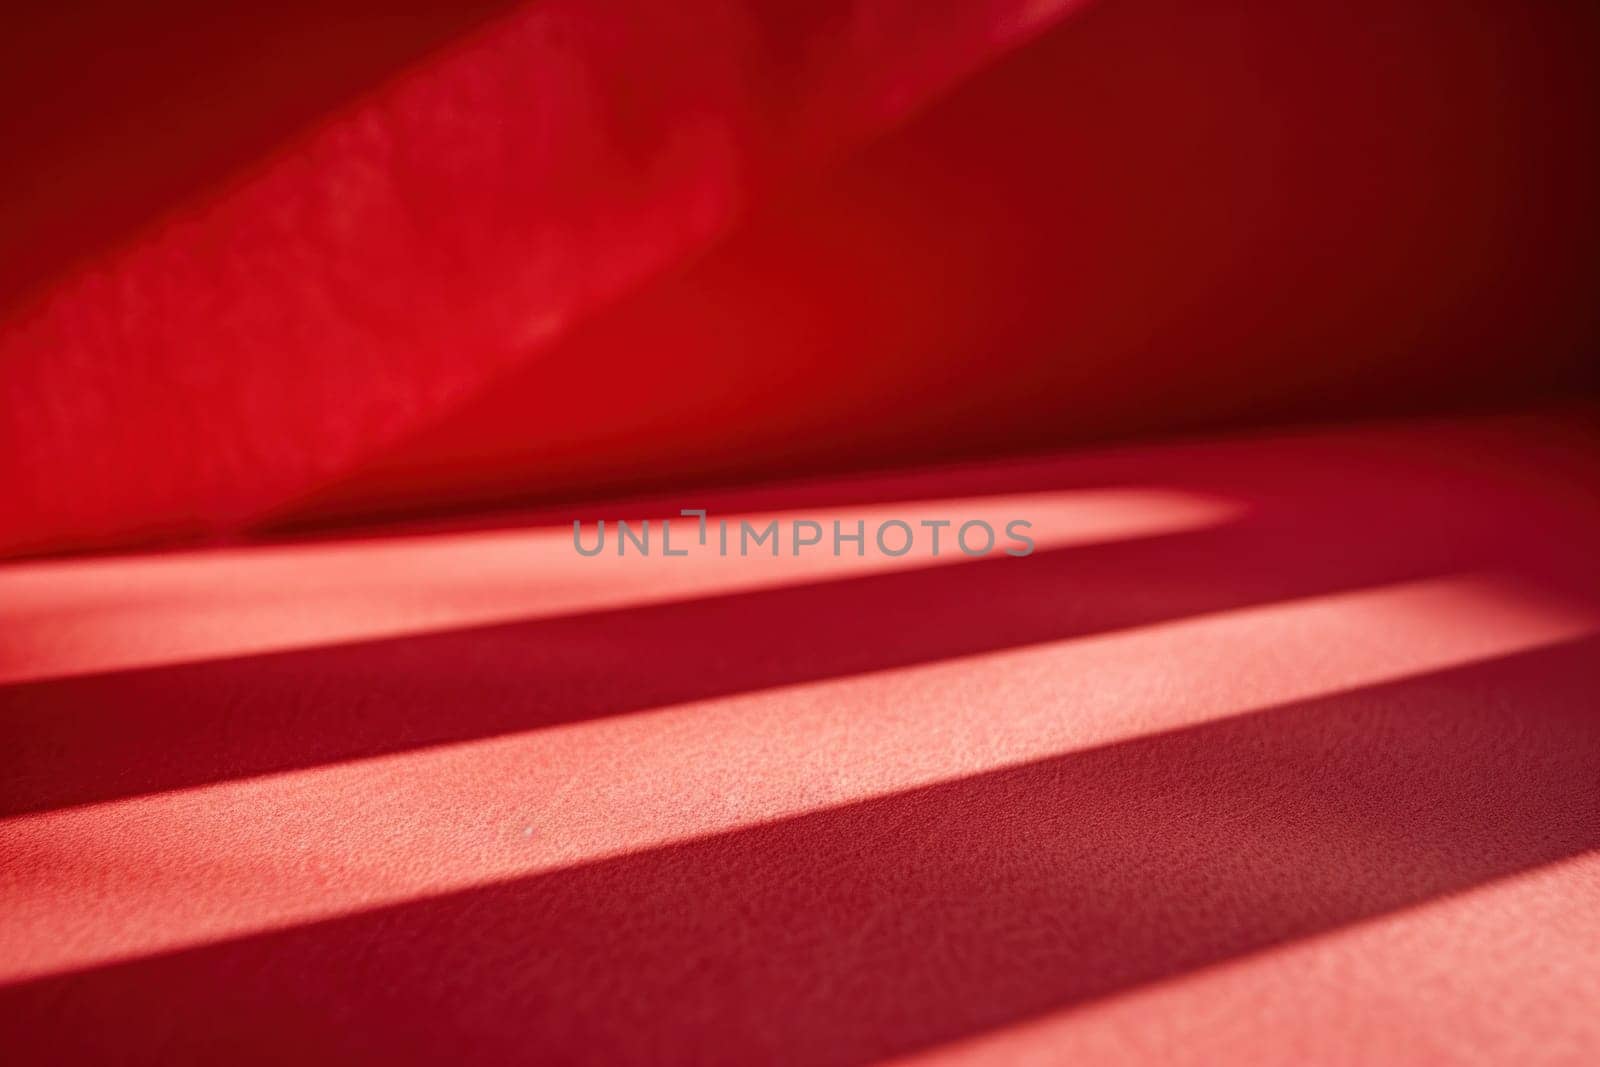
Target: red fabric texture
1280,747
1307,764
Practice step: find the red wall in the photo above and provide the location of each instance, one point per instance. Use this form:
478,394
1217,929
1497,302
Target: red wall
488,277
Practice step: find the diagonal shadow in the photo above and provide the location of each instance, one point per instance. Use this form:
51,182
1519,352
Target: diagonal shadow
99,737
125,113
906,921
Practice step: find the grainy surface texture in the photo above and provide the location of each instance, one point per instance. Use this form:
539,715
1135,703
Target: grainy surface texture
1276,750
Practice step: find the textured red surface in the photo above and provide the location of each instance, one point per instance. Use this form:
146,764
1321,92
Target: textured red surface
366,275
1276,748
467,262
1279,749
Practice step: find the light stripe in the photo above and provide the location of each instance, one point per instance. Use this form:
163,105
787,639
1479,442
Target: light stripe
72,617
129,878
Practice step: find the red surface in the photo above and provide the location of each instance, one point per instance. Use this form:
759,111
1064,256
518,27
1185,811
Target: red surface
467,263
270,330
1281,747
